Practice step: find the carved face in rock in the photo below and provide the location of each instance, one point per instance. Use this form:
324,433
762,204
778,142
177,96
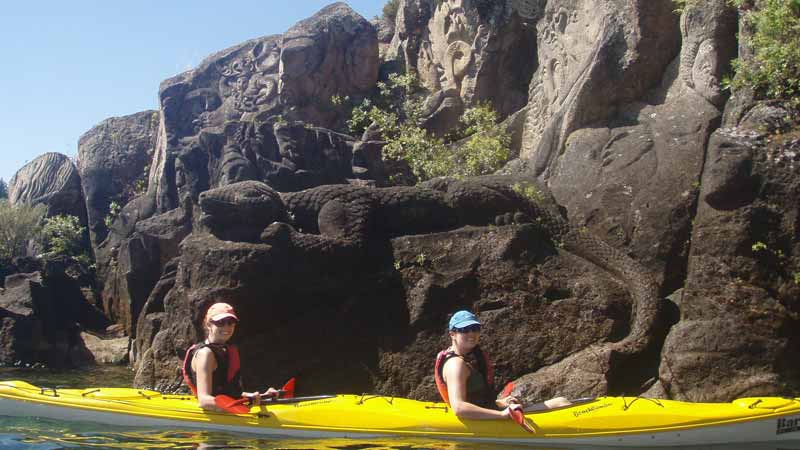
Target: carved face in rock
706,72
300,58
709,42
362,62
446,58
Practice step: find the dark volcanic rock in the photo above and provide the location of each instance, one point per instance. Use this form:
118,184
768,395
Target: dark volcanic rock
537,305
113,160
740,311
135,263
340,260
226,122
633,177
52,180
42,314
218,119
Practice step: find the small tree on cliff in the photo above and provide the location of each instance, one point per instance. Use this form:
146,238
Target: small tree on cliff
774,70
19,226
3,188
479,147
64,236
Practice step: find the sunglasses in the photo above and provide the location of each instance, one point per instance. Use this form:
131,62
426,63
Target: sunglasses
224,322
474,328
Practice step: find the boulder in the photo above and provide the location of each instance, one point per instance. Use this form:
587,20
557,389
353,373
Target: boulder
42,314
51,180
106,350
345,246
113,161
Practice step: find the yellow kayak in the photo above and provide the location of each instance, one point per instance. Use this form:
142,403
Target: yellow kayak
602,421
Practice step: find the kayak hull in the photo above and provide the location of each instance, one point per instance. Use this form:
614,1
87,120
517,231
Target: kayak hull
604,422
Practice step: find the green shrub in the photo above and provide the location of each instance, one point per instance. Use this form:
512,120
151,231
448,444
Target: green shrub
774,71
397,112
487,147
529,191
19,225
113,212
63,236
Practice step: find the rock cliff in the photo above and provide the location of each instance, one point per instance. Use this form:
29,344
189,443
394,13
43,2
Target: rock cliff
643,241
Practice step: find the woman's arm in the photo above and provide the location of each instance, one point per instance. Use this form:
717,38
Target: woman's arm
204,365
455,373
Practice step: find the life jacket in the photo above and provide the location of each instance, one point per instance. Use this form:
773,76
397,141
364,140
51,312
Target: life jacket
483,395
225,379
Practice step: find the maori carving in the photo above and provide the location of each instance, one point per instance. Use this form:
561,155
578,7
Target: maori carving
708,44
569,42
340,216
448,48
252,81
457,58
528,9
292,76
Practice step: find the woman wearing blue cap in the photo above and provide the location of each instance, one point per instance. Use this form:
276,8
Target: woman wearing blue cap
464,374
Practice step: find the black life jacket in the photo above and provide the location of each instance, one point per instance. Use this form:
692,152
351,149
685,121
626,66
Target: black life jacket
225,379
480,383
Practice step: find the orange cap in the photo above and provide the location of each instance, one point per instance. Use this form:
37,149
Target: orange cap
219,311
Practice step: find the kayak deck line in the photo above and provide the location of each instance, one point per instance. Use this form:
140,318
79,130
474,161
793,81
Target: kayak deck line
597,422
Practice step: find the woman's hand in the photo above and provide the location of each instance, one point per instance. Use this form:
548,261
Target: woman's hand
505,402
253,397
271,392
506,413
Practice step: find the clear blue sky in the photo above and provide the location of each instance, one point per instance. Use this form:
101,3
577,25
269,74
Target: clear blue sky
69,64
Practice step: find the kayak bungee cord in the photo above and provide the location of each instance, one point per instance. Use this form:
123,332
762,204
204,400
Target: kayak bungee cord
154,407
626,405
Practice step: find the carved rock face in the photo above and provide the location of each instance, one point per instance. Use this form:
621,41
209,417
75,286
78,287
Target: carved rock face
218,118
570,39
466,51
708,46
52,180
628,169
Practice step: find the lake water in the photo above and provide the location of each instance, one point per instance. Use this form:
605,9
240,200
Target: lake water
44,434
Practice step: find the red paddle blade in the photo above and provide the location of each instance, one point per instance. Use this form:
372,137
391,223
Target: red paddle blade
519,417
507,390
288,389
231,405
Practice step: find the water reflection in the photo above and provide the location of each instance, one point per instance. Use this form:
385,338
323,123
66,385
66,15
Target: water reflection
34,433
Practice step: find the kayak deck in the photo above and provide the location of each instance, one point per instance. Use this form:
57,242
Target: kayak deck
603,421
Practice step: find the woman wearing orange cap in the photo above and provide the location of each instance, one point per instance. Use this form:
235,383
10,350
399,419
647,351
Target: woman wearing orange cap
211,367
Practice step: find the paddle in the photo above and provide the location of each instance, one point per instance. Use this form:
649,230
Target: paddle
237,406
519,417
231,405
516,414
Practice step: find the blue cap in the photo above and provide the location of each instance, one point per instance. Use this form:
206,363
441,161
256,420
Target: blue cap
463,319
